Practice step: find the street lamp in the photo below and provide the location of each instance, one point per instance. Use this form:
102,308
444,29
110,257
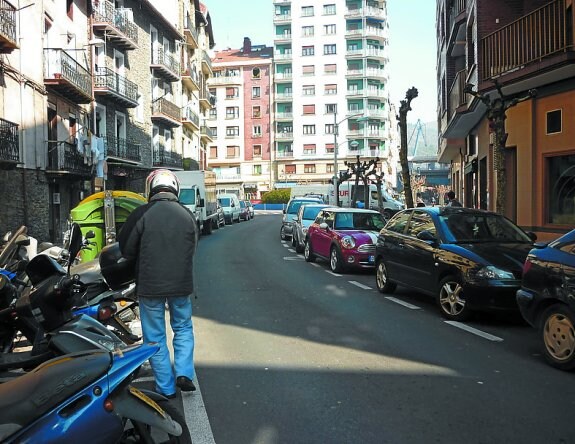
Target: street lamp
335,147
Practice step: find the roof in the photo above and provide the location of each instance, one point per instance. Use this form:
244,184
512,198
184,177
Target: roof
351,210
237,55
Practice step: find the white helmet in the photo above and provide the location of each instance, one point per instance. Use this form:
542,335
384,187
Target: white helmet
162,180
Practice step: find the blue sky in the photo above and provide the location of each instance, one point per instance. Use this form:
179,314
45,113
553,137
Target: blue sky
412,50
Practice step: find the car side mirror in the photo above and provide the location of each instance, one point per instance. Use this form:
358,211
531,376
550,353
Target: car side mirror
426,236
532,236
284,211
201,203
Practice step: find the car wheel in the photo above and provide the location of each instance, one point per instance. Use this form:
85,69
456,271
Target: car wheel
384,285
307,251
387,214
282,233
293,239
335,260
207,230
215,224
451,300
557,330
299,247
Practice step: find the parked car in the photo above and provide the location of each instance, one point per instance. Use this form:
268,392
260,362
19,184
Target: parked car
547,298
244,211
290,211
467,259
300,223
344,236
231,205
220,219
251,208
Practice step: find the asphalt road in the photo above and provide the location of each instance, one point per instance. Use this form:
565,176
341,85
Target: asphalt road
287,352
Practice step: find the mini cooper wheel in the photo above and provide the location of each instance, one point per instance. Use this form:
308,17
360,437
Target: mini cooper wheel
557,332
451,299
282,233
335,260
384,285
307,251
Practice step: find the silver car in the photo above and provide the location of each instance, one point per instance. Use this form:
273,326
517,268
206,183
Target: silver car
290,212
303,219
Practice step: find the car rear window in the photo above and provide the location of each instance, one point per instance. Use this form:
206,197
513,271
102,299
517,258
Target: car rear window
310,213
225,201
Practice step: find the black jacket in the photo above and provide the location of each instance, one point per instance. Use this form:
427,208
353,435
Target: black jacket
162,237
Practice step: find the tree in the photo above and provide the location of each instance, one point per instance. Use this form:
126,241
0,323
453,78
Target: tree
404,108
361,171
496,114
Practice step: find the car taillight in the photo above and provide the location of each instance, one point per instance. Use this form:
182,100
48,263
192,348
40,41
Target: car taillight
527,266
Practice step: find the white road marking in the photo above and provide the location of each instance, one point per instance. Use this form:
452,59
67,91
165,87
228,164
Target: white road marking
285,245
293,258
291,250
315,265
332,273
357,284
475,331
197,417
405,304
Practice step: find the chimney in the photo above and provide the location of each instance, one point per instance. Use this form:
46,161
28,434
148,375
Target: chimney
247,45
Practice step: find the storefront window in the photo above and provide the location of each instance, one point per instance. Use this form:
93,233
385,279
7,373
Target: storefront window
561,190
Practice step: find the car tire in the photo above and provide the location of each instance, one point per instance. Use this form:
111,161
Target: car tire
387,214
293,239
207,230
451,300
384,285
282,233
336,264
215,224
557,333
299,247
308,252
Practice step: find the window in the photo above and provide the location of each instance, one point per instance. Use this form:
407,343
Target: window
257,131
309,168
232,92
329,29
308,90
330,89
329,168
309,129
290,169
330,108
256,90
232,112
330,68
214,131
307,11
420,222
256,73
308,70
213,113
256,112
329,128
309,109
213,152
232,151
257,149
257,170
307,31
232,131
329,49
329,148
309,148
398,223
554,121
560,190
307,51
328,9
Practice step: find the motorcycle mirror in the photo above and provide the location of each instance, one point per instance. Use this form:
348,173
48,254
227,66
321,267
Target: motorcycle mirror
75,243
23,241
7,236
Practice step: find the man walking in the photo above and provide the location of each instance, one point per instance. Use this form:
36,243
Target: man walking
453,202
161,236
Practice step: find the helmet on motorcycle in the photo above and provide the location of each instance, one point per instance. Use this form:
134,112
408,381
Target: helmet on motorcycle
162,180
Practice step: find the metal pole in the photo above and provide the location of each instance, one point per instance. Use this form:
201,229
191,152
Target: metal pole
335,175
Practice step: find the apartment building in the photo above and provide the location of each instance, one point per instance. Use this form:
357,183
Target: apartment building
522,45
93,96
240,154
331,102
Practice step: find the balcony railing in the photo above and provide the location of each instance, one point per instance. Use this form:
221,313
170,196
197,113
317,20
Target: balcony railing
283,56
190,32
108,81
190,77
64,156
282,18
7,27
162,157
9,142
191,116
457,97
66,75
206,132
117,22
206,64
282,154
542,33
225,80
165,63
163,109
122,149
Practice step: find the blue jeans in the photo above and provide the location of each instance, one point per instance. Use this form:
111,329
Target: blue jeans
152,315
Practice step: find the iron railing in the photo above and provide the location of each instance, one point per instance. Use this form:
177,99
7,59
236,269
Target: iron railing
161,57
60,65
206,59
107,78
8,20
162,157
190,28
206,131
164,106
9,141
122,149
457,96
64,156
190,115
119,18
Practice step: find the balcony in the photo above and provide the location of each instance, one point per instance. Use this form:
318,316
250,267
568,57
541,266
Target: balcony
112,85
283,56
168,159
283,76
457,17
117,24
120,149
190,33
190,77
282,18
207,101
225,80
376,13
284,135
64,158
9,144
7,27
284,154
282,115
538,42
165,65
207,64
282,38
66,76
206,134
190,119
166,112
284,97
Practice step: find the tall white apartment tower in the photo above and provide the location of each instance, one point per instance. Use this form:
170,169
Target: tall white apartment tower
330,89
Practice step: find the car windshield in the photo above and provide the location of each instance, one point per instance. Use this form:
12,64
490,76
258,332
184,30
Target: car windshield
481,228
359,221
242,204
225,201
294,205
310,213
187,196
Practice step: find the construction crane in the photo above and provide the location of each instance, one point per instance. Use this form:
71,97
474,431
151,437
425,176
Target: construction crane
419,131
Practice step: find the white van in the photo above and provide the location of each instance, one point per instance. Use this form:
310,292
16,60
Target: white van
231,206
347,188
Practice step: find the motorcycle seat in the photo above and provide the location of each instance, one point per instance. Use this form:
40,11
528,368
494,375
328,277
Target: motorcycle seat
28,397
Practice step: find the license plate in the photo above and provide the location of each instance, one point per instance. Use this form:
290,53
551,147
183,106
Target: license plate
147,400
371,259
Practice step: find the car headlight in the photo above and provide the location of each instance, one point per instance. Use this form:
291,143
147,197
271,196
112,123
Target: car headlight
492,272
347,242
